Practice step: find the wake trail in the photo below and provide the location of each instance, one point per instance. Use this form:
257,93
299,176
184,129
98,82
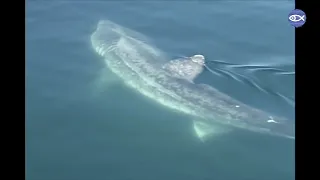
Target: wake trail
249,81
231,70
253,68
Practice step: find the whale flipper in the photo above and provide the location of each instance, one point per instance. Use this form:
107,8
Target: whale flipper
204,130
185,68
105,80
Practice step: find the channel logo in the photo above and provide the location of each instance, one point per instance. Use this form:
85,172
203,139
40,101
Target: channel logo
297,18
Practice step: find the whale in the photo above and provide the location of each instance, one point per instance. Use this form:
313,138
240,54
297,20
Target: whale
143,67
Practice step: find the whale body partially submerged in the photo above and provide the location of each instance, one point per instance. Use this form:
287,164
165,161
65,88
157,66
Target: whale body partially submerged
185,68
143,67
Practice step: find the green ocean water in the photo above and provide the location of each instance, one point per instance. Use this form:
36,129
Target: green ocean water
79,128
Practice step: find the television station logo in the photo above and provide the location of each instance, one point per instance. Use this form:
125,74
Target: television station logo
297,18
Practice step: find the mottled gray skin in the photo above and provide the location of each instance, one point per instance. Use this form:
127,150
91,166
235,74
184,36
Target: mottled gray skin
136,63
185,68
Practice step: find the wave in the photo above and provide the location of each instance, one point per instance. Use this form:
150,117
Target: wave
279,69
251,80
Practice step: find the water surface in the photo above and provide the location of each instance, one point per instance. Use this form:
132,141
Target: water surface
77,129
